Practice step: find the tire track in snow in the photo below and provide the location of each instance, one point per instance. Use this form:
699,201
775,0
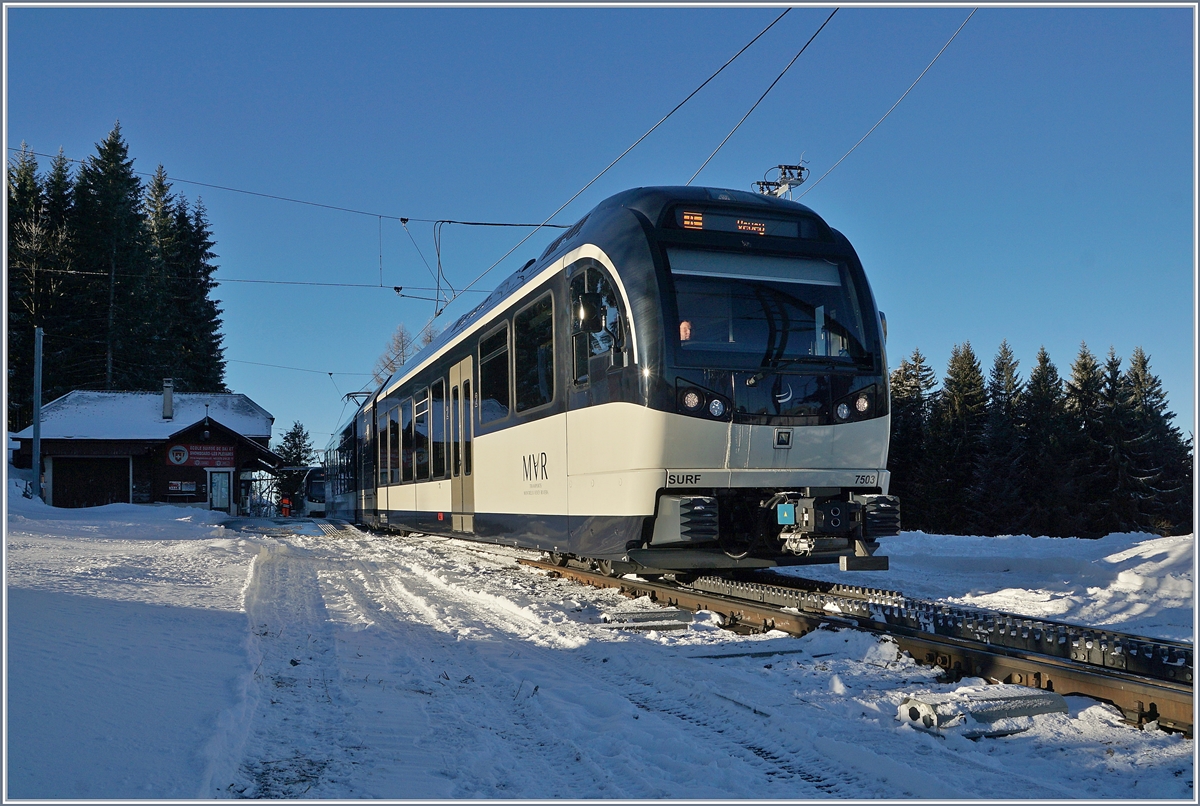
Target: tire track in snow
425,593
300,740
444,649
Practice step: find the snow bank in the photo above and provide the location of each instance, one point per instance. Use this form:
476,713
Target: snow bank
1136,583
127,650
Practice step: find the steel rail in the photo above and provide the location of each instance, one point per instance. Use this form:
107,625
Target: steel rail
1142,699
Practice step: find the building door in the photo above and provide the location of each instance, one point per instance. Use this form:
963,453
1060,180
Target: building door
462,419
91,481
219,483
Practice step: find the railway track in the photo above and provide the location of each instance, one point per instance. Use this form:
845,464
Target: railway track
1150,680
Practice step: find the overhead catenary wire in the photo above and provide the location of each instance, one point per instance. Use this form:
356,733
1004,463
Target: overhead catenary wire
294,369
277,197
618,159
898,100
220,280
764,95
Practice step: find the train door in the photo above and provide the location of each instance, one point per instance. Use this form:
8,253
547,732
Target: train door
462,418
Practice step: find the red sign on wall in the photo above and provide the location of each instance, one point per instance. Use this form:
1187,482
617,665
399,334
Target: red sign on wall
201,455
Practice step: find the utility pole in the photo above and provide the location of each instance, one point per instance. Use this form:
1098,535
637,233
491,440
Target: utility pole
37,412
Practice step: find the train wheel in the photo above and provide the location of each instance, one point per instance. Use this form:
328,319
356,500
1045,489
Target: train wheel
605,567
558,559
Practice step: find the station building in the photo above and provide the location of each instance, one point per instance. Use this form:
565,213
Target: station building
188,449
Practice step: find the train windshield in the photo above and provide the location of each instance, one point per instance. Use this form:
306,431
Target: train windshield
314,486
741,310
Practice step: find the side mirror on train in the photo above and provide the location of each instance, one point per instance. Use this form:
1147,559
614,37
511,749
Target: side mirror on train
589,313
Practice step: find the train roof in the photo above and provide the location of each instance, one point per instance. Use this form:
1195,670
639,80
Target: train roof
649,201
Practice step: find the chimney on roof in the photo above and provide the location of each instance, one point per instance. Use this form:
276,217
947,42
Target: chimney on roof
168,399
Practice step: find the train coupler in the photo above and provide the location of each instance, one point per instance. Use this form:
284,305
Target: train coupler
843,525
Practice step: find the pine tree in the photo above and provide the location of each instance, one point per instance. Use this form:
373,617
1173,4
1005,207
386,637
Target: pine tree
65,344
1042,419
995,494
58,192
956,441
296,450
199,334
39,283
1120,486
912,385
1163,458
24,211
162,278
112,245
1086,444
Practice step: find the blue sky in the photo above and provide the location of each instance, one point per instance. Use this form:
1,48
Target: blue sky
1035,186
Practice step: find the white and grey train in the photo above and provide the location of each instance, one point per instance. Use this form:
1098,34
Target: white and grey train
686,379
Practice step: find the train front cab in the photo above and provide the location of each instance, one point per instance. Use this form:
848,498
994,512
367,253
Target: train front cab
764,412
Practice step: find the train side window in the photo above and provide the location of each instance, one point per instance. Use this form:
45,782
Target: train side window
468,427
455,450
533,354
381,445
366,453
421,434
610,339
406,420
493,376
437,430
394,445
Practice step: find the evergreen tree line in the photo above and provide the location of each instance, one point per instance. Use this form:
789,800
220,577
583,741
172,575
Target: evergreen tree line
117,272
1084,456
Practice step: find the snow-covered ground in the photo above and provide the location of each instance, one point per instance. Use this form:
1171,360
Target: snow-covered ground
156,652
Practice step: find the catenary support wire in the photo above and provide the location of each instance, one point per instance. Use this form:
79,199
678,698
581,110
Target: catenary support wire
885,114
764,95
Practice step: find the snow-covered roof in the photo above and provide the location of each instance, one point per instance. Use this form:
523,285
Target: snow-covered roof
139,415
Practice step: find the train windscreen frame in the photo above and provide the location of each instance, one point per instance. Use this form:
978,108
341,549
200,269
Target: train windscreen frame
741,310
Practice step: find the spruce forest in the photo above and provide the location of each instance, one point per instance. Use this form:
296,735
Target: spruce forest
1084,456
117,272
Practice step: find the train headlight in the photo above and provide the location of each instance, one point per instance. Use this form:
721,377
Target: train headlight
716,407
862,404
843,411
692,400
